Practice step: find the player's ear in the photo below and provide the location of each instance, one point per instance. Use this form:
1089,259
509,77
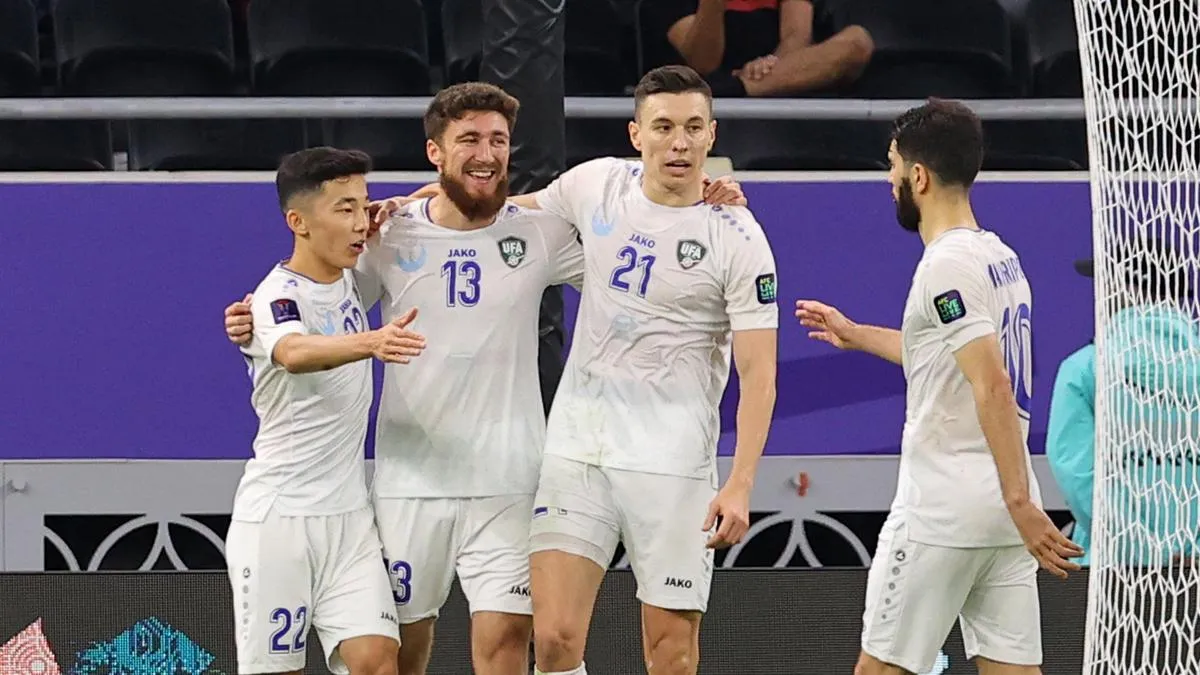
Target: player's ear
920,178
712,134
433,151
295,222
635,135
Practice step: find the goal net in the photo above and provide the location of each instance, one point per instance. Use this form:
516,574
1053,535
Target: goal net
1141,76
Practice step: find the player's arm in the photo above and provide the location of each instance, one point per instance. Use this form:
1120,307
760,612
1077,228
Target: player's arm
828,324
1071,433
287,342
750,297
565,252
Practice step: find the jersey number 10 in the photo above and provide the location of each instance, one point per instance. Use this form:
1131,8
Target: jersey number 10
1016,341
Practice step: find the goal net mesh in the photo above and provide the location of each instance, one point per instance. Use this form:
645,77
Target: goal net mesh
1141,75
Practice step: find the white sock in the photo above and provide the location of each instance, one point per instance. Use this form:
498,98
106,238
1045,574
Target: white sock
581,670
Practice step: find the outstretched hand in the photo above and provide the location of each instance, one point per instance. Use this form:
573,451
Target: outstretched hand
827,323
397,344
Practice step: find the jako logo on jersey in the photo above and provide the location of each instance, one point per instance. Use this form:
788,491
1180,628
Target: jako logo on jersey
462,253
642,240
411,260
601,227
689,252
675,582
512,250
522,591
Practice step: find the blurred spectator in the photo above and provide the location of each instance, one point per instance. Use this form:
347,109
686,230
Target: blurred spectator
757,47
1153,346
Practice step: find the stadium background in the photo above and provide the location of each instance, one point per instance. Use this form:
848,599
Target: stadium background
126,417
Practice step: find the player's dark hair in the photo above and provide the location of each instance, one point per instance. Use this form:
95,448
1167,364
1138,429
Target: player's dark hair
306,171
670,80
455,101
946,137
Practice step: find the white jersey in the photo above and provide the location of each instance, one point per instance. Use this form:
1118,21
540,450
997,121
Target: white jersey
650,354
465,419
968,284
308,454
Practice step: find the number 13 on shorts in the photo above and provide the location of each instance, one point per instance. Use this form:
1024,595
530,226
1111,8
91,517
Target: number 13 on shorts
400,573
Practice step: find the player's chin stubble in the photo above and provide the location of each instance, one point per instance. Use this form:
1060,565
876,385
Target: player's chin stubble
908,214
474,208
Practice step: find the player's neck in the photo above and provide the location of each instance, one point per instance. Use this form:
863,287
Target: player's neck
658,193
304,263
951,213
445,214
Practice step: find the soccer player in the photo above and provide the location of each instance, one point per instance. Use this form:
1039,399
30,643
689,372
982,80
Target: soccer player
459,439
303,549
671,284
967,495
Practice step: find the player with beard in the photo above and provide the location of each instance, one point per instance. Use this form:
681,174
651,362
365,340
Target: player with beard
967,497
459,440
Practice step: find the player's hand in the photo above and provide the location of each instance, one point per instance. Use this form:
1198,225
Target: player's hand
395,343
827,323
729,512
758,68
382,210
724,191
239,326
1045,541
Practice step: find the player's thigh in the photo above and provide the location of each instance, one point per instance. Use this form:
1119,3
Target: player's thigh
353,595
914,594
272,585
573,536
493,561
420,545
661,519
1001,618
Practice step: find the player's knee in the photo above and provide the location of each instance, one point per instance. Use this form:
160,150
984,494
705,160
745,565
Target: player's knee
503,640
672,654
557,642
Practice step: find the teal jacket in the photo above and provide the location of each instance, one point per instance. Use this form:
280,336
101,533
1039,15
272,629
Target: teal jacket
1152,388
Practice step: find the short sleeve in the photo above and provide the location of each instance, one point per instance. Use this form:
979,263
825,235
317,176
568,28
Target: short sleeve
955,301
565,250
750,282
566,196
368,276
275,314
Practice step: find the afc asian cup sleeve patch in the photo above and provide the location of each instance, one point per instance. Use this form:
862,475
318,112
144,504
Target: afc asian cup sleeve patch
764,287
285,309
949,306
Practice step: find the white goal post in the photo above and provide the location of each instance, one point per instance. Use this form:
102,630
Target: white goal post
1141,76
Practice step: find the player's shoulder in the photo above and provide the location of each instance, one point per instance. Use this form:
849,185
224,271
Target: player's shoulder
279,281
956,252
515,216
734,226
405,221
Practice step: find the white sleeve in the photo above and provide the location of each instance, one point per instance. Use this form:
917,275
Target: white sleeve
275,313
566,195
955,302
565,251
750,283
367,275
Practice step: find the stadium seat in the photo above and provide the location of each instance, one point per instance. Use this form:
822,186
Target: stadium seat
1053,49
151,48
955,49
19,67
462,40
35,145
346,48
599,33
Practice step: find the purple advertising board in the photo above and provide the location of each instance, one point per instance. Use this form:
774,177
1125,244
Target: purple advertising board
113,294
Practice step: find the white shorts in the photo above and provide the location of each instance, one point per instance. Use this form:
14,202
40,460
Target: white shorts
915,591
292,572
586,510
484,539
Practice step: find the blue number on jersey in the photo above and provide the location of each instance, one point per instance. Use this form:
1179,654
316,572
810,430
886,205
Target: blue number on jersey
469,273
401,573
284,640
629,260
354,322
1016,341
